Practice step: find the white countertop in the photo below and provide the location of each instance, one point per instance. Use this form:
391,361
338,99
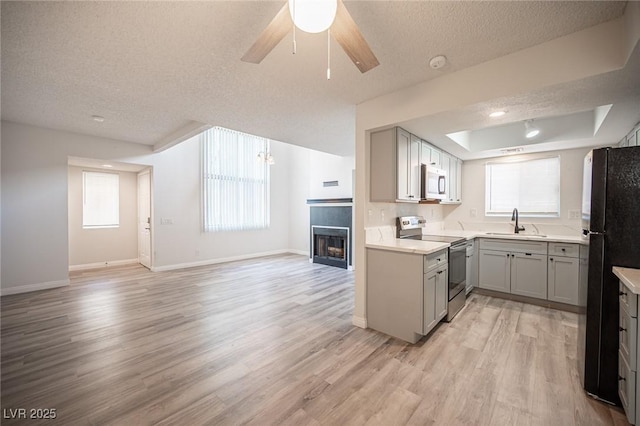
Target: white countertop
384,238
408,246
527,237
629,277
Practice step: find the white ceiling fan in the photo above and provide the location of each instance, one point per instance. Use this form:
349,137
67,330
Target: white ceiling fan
315,16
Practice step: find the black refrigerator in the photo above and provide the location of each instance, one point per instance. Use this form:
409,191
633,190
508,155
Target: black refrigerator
611,227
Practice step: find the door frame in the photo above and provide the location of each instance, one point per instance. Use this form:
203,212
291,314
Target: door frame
149,171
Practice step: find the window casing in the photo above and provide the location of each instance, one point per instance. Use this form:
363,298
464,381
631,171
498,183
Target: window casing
100,200
236,184
531,186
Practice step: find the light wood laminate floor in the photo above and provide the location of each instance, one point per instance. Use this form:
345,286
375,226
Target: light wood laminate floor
269,342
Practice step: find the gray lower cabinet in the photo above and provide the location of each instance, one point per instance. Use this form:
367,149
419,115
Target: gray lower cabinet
563,273
435,295
406,292
628,355
472,266
529,275
495,270
563,279
517,267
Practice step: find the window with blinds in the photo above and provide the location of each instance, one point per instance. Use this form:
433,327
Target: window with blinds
100,200
531,186
235,180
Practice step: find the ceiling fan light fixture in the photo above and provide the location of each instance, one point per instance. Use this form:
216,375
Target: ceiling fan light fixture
313,16
530,130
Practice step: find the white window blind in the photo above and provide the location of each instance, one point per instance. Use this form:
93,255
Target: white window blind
235,181
100,200
531,186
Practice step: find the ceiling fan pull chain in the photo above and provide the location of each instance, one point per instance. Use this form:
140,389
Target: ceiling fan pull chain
329,54
294,27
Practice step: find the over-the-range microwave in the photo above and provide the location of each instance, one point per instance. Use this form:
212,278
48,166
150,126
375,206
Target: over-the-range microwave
432,182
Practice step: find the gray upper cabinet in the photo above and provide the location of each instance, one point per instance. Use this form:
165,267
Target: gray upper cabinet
436,158
425,154
408,157
458,180
395,163
453,186
383,165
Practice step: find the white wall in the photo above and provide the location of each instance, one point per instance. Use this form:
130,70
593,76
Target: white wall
328,167
177,198
473,195
103,245
299,191
296,175
35,236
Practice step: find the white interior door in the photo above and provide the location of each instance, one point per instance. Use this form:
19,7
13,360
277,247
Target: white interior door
144,218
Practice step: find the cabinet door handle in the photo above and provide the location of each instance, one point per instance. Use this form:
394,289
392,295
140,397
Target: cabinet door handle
527,254
622,293
622,329
622,379
551,259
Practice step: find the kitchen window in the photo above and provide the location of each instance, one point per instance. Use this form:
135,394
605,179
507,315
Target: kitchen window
235,180
531,186
100,200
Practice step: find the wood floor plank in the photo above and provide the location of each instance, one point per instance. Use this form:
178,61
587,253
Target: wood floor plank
269,341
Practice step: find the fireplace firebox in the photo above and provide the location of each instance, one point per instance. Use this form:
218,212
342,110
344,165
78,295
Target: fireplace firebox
330,245
331,233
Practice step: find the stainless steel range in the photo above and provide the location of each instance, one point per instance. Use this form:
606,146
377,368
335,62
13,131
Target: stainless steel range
411,227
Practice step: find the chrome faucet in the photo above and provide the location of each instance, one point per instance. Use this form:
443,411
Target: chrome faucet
514,216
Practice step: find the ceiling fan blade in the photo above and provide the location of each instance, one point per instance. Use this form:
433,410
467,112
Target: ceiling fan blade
347,34
270,37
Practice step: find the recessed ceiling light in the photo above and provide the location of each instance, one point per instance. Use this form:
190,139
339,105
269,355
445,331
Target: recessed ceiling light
496,114
107,165
98,118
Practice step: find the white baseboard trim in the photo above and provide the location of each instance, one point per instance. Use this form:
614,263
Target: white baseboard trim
221,260
33,287
300,252
105,264
359,321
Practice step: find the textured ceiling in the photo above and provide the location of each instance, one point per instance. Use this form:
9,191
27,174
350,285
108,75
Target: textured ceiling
151,68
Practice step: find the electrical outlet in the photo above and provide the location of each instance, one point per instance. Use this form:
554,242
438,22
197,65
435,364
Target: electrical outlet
166,221
574,214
